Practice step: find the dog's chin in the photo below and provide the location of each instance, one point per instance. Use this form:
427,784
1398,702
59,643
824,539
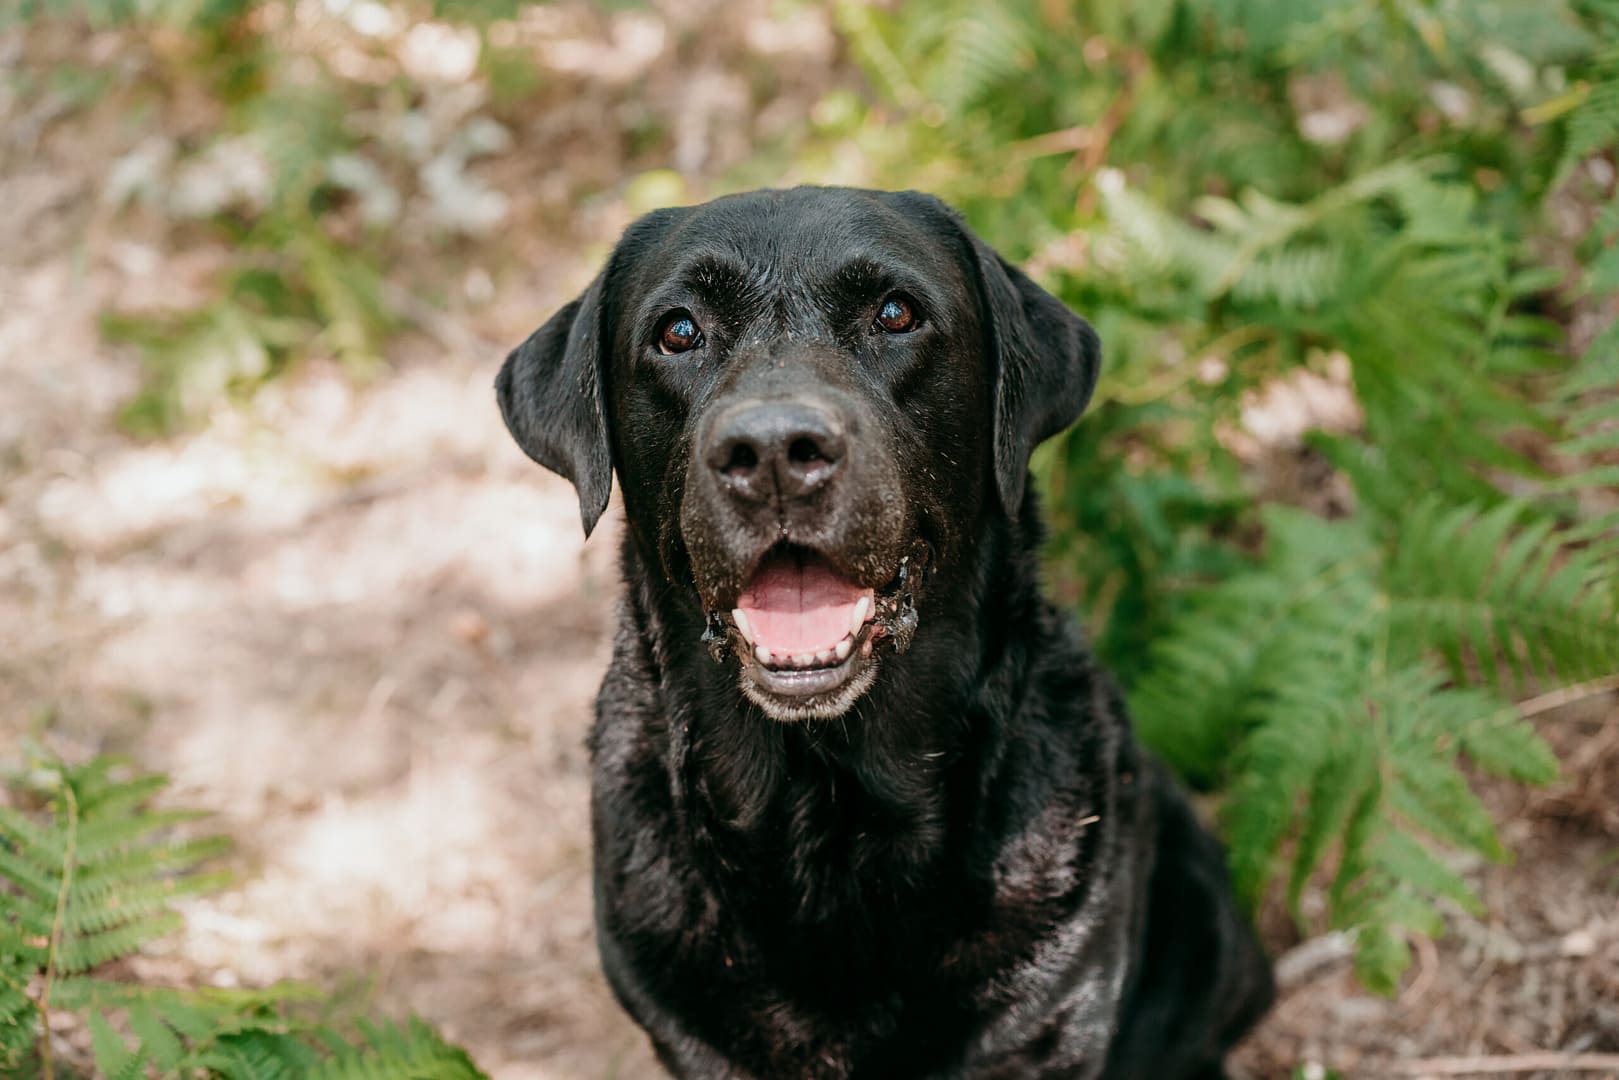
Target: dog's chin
818,694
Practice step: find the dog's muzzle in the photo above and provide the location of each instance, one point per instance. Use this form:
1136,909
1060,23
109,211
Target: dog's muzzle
795,522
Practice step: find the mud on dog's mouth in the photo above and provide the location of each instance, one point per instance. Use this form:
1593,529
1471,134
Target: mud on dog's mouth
800,630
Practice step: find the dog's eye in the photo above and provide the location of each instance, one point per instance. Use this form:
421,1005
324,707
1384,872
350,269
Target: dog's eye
896,316
679,334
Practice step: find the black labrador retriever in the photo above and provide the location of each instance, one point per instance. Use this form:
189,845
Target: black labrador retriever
863,804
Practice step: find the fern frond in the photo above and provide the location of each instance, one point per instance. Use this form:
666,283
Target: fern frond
1420,722
1311,680
158,1041
20,1028
1346,774
107,905
102,796
87,877
112,832
120,866
1264,25
81,952
161,855
980,46
1288,631
1593,125
1531,605
1276,764
413,1049
113,1058
1385,783
23,873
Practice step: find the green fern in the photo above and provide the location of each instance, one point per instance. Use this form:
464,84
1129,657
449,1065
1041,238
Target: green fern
1592,123
1511,604
1310,682
87,877
964,51
1265,25
264,1045
1590,393
61,912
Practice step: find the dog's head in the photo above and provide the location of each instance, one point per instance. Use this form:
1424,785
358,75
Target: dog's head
812,398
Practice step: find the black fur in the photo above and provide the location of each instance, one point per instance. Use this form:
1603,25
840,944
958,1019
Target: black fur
961,864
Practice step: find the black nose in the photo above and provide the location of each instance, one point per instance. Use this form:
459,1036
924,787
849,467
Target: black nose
764,450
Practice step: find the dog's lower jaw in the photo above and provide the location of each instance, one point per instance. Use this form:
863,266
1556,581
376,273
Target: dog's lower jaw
827,706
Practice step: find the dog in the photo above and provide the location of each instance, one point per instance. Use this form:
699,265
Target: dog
863,805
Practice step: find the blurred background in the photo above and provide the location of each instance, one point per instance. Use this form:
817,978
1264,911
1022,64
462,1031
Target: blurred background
1343,516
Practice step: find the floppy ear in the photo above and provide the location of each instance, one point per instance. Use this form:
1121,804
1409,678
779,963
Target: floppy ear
550,394
1046,363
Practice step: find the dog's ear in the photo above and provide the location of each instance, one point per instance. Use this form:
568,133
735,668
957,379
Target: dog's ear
550,394
552,388
1046,362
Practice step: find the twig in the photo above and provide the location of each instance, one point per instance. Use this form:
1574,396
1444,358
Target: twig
1504,1065
1093,154
1427,971
1308,959
70,856
1069,140
1556,699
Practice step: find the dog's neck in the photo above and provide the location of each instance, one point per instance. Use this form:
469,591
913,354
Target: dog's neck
887,789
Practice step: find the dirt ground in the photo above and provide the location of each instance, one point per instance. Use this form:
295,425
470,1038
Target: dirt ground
354,621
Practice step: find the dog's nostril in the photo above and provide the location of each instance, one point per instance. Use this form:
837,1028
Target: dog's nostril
743,459
759,451
805,451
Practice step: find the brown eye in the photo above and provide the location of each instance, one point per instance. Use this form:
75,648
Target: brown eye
896,316
679,334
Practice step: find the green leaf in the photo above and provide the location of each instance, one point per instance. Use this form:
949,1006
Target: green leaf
112,1056
1381,957
1504,745
157,1042
1342,781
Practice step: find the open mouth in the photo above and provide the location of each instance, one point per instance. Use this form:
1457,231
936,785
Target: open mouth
802,624
801,630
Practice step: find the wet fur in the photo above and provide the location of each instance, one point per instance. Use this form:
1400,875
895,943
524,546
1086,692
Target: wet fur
973,871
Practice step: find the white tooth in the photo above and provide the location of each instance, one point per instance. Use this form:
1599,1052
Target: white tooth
740,617
804,659
762,654
858,618
841,649
823,658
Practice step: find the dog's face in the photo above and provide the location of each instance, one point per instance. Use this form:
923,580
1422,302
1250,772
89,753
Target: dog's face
812,398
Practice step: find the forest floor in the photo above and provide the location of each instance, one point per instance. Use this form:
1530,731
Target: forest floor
353,621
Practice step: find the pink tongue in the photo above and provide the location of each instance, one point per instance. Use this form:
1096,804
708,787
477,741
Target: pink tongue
799,606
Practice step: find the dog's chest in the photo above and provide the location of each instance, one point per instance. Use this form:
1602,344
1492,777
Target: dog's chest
851,960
